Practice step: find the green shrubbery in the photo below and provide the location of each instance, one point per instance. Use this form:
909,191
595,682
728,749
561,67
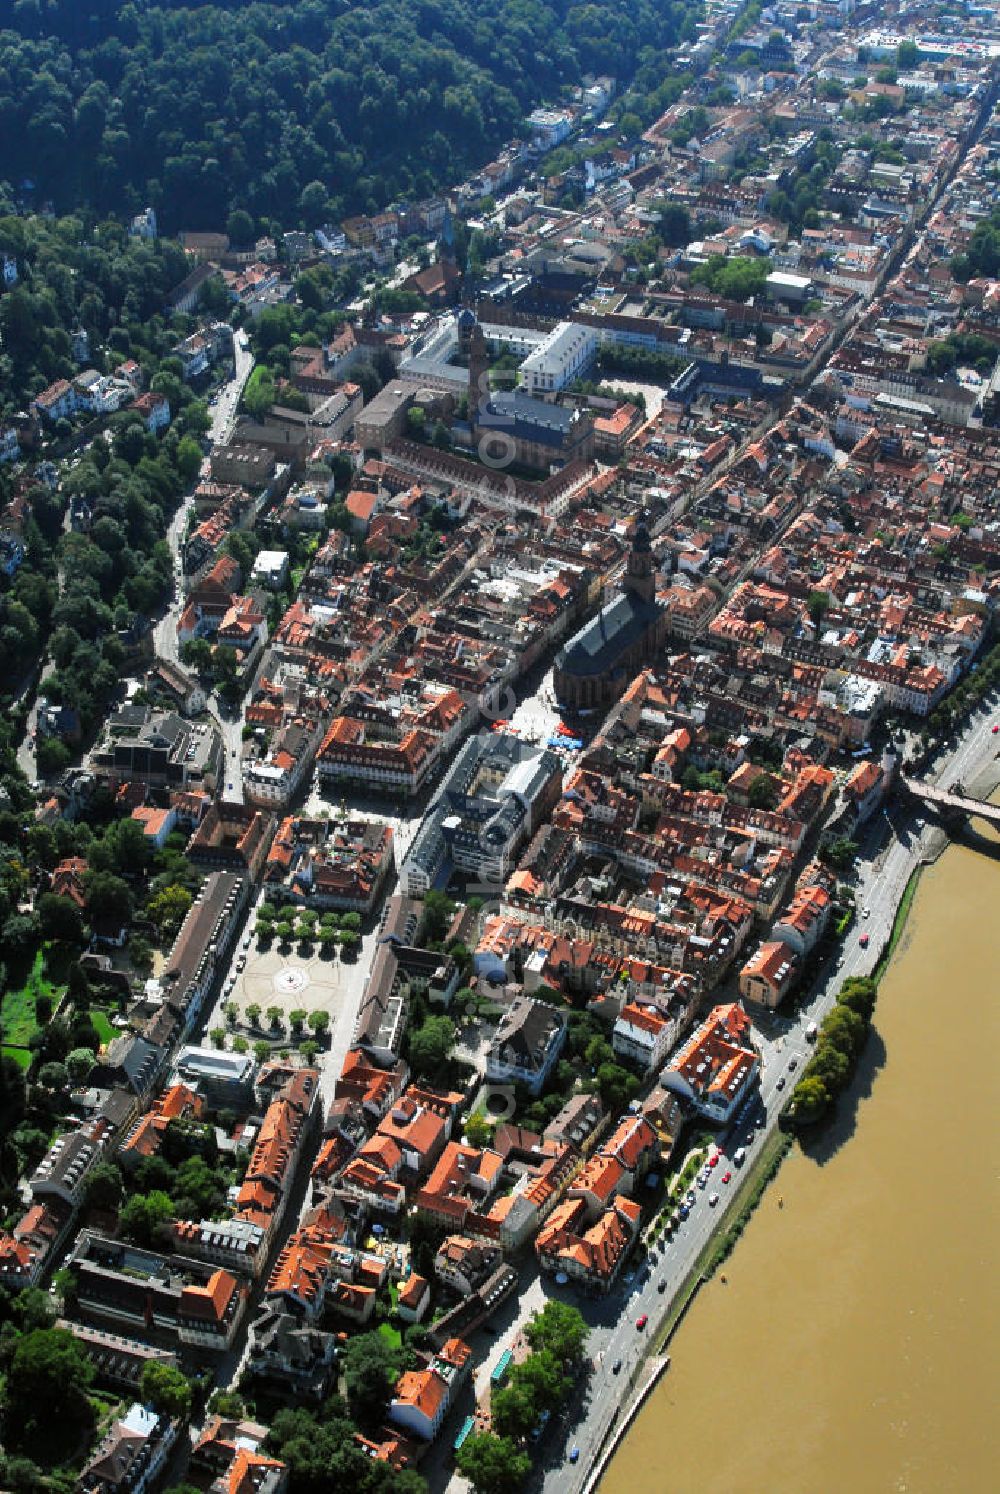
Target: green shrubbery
842,1036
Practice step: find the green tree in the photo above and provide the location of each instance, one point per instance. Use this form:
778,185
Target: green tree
188,459
109,900
167,1390
144,1215
371,1367
830,1065
810,1100
561,1328
319,1021
103,1188
817,605
167,909
240,227
53,1076
763,792
47,1369
617,1087
845,1029
675,225
478,1129
430,1047
514,1409
59,918
439,910
79,1063
839,853
493,1465
858,993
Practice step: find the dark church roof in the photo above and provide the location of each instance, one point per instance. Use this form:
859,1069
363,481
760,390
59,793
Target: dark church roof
602,642
528,419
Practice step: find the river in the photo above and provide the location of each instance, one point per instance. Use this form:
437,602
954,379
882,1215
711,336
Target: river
855,1344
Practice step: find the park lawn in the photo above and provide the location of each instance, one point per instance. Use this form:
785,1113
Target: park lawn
21,1056
17,1014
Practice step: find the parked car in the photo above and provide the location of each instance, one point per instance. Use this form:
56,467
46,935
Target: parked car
641,1321
781,1083
727,1177
713,1200
616,1368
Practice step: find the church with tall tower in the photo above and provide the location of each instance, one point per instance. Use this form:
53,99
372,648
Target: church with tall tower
597,665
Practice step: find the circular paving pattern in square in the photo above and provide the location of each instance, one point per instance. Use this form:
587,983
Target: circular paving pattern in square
289,980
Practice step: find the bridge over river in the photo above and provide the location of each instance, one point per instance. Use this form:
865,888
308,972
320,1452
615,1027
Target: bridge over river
951,803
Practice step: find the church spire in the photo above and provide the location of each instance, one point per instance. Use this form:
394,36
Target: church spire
640,573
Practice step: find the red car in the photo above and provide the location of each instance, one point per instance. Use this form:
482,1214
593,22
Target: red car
713,1160
863,941
726,1177
640,1323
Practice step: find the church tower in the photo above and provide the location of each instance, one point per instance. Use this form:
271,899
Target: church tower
640,576
479,372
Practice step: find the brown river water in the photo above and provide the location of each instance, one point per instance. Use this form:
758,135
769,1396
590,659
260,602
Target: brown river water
855,1344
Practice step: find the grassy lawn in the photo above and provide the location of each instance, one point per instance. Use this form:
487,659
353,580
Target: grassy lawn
20,1056
17,1016
392,1335
105,1031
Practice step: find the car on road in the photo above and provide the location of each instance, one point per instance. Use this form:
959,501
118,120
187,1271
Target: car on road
241,963
641,1321
863,941
713,1160
781,1083
995,728
574,1456
616,1368
713,1200
866,912
661,1285
727,1177
684,1212
793,1064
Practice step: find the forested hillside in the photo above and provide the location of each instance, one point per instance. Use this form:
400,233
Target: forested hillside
200,108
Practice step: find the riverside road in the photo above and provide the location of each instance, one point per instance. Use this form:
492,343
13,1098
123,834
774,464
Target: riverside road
895,844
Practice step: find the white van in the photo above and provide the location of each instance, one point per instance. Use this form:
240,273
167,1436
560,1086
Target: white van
739,1156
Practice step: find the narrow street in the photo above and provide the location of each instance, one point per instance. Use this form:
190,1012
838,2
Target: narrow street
224,410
